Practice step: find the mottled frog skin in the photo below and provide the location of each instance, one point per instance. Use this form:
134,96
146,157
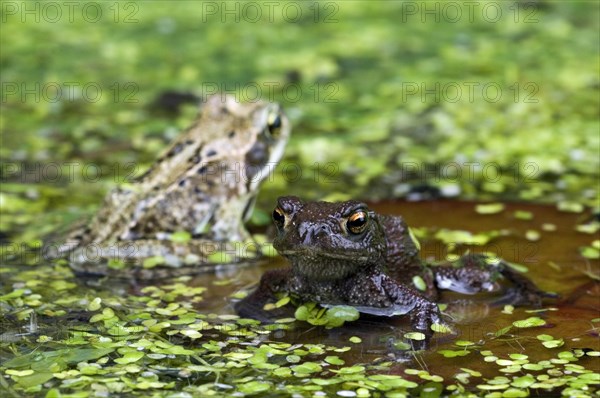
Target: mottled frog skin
204,183
345,254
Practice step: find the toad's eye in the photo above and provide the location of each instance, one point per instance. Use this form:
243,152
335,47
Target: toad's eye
274,123
278,217
357,222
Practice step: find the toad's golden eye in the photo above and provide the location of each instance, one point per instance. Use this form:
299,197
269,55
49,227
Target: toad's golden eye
357,222
278,217
274,123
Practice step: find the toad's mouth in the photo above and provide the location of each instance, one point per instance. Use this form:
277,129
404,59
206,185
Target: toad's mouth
315,253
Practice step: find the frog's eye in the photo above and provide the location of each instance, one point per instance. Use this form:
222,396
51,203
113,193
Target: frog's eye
278,217
274,123
357,221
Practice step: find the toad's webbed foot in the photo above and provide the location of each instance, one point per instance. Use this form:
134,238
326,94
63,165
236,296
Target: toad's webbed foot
422,318
518,296
477,273
424,315
523,291
423,312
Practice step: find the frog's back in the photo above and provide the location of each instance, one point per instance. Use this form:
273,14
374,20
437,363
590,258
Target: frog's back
224,131
203,184
191,178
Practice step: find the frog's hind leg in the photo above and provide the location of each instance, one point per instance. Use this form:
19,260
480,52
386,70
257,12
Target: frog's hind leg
474,273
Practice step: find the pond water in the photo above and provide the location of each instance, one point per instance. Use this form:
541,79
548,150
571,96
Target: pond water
494,349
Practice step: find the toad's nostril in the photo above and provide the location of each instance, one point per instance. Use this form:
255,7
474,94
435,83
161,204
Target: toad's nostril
313,233
322,232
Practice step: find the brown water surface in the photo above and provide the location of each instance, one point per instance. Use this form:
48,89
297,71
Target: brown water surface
554,261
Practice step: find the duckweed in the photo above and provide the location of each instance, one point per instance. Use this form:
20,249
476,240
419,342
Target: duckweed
489,208
523,215
529,322
63,338
329,317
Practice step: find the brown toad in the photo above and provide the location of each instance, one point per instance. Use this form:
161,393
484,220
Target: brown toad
345,254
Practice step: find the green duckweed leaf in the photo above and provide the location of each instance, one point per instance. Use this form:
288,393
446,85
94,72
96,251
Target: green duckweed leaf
180,237
414,336
489,208
419,283
523,215
254,387
590,252
152,262
454,353
529,322
555,343
307,368
334,360
130,357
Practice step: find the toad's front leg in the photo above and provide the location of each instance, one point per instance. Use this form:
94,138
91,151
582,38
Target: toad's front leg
393,298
